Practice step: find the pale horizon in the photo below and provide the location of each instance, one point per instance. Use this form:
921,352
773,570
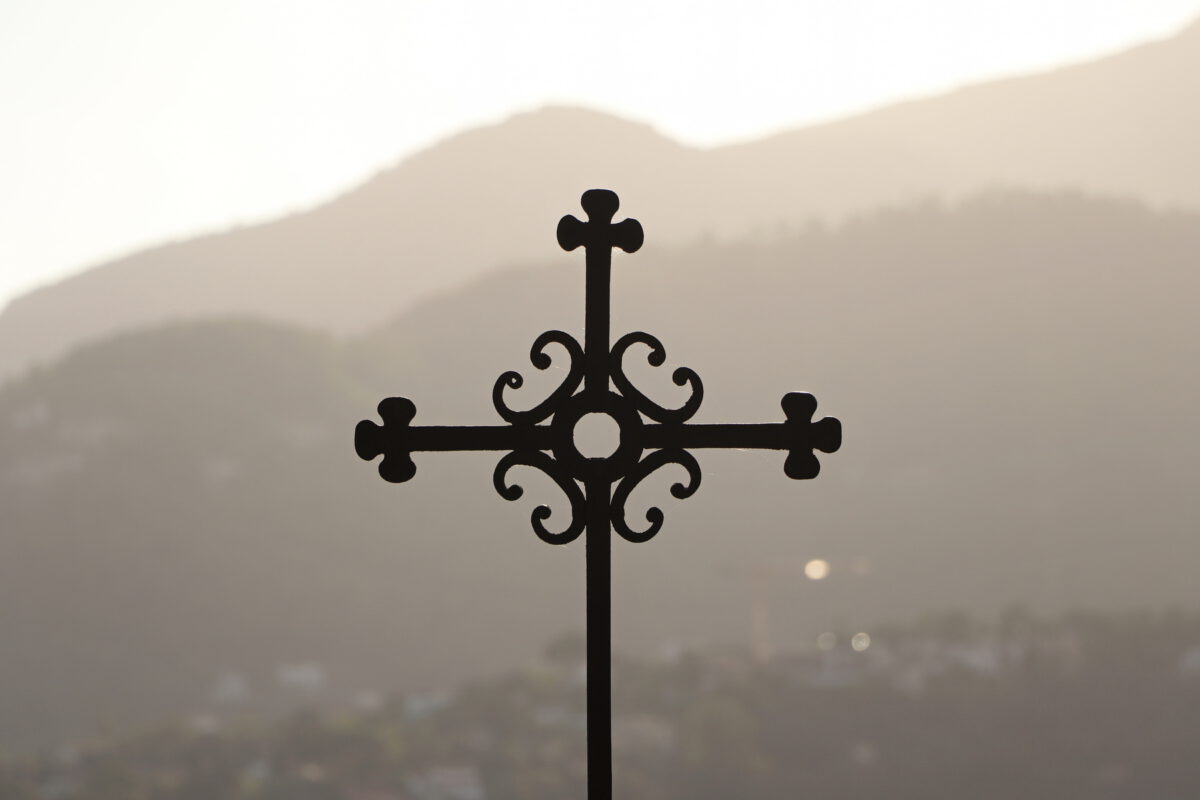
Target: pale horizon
110,156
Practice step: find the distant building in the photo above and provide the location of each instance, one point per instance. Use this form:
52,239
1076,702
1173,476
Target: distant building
452,782
419,705
1188,665
231,688
307,676
646,734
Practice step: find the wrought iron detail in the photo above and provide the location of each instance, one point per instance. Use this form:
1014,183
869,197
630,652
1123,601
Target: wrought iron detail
546,464
682,376
540,359
597,490
542,437
644,468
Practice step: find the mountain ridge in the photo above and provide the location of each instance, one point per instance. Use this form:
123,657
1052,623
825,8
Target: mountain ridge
485,198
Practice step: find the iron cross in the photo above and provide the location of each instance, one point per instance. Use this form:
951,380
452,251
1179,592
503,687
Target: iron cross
650,437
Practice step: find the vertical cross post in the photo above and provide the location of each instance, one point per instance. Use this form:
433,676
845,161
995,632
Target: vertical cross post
598,236
651,437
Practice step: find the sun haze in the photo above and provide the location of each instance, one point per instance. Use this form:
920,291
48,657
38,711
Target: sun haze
132,122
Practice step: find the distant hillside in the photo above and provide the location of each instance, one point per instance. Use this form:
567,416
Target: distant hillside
1016,379
1128,124
1025,708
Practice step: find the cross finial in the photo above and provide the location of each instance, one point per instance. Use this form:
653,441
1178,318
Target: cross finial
598,236
803,435
599,231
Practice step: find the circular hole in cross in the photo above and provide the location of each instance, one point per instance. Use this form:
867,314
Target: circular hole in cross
596,435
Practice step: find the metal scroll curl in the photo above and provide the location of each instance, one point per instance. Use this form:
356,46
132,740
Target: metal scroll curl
543,462
683,376
643,470
542,360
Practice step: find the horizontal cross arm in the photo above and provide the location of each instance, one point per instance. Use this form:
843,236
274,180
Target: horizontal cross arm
396,439
756,436
445,438
799,435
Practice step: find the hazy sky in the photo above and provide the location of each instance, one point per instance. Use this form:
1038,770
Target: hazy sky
131,122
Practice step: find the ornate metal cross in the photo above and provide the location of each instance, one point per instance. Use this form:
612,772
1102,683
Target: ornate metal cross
650,437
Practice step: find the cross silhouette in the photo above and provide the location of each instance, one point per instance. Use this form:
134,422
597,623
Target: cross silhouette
650,437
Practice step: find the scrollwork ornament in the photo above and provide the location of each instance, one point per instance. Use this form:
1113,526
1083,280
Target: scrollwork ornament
654,515
541,360
683,376
547,465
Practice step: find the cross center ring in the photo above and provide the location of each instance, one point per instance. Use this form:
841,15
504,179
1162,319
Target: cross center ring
629,426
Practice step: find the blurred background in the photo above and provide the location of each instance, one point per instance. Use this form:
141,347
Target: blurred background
970,229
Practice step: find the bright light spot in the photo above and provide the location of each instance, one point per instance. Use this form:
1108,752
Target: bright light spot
817,569
860,641
826,641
